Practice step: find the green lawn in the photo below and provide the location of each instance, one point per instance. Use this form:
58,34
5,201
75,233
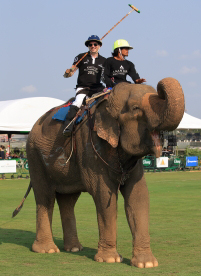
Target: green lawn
175,228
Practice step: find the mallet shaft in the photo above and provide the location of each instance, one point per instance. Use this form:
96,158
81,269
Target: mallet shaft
133,9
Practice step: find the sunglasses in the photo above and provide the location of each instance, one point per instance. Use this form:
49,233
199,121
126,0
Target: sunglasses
93,44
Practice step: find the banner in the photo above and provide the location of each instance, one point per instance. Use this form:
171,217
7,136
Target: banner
162,162
191,161
147,162
177,162
7,166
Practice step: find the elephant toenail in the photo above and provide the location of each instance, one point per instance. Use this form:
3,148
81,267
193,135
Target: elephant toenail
74,249
140,265
155,263
148,264
110,260
118,260
51,251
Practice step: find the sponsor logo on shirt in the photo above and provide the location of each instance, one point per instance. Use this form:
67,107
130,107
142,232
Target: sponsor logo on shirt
121,71
86,62
76,59
91,70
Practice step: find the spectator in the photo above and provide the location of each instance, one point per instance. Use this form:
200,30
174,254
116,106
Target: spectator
21,154
165,152
170,149
2,153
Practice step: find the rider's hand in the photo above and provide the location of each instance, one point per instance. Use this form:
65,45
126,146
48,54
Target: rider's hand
69,73
139,81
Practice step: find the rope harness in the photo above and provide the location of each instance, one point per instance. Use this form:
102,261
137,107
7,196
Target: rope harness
125,173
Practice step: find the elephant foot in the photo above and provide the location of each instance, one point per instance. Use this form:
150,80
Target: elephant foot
45,247
108,257
74,247
144,260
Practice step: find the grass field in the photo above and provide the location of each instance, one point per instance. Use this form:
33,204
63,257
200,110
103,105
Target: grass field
175,229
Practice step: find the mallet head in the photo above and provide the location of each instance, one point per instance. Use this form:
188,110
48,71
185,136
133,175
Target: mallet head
134,8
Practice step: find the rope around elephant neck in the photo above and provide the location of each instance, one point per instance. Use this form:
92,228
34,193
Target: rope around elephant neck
71,148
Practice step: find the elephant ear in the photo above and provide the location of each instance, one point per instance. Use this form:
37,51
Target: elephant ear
106,126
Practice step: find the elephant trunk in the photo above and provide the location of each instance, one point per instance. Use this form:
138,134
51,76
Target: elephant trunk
165,110
171,92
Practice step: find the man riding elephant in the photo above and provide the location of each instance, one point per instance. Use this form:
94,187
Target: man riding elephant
117,67
89,77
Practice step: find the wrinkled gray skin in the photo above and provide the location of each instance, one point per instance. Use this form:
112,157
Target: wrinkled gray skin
126,127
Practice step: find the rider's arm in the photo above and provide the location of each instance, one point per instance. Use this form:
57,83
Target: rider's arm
133,73
70,72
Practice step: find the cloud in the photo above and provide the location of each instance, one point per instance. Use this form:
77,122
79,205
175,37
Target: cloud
187,70
29,89
194,55
161,53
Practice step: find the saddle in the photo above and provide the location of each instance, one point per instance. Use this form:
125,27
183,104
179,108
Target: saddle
62,112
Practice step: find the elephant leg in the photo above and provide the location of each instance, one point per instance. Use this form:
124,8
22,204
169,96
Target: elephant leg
66,206
137,211
45,198
44,241
106,207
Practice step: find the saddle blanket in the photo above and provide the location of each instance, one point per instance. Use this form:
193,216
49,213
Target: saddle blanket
61,114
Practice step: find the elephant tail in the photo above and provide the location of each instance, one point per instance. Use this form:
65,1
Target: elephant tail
17,210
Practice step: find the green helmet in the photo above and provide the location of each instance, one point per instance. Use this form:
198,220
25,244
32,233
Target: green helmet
121,43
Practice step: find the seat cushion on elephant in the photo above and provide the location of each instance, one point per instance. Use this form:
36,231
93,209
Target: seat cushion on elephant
62,112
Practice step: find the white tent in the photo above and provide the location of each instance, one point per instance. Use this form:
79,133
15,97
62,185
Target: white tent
20,115
189,122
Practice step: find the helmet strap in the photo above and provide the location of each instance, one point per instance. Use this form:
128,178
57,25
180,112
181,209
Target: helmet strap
123,58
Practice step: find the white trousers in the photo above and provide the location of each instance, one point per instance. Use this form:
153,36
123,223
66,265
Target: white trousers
79,98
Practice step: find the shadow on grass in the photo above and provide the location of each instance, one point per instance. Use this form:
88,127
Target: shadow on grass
26,238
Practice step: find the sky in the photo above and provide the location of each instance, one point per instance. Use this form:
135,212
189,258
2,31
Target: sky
40,39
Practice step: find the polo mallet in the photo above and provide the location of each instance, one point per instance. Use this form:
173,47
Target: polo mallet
99,95
133,9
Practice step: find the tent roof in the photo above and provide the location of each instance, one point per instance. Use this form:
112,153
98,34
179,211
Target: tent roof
20,115
189,122
17,116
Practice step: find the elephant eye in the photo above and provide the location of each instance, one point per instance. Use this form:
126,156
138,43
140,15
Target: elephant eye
134,108
136,111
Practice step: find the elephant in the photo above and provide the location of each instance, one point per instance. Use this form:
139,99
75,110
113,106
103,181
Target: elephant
103,157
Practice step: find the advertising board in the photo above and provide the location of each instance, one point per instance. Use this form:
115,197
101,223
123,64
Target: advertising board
191,161
7,166
162,162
